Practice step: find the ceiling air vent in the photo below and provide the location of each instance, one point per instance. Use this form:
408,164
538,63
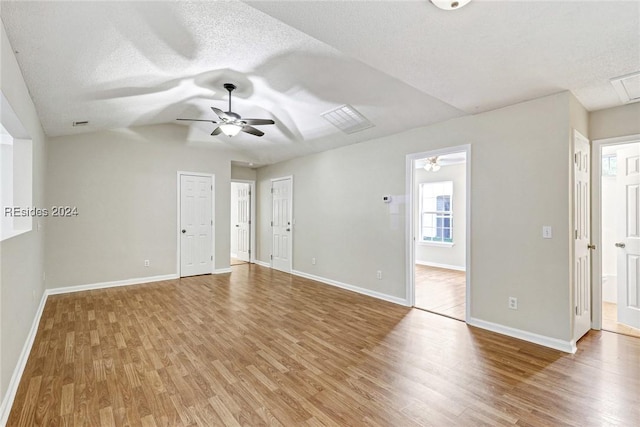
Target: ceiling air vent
83,123
628,87
347,119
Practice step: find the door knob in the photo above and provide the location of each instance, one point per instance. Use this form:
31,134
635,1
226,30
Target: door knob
184,231
237,225
620,245
288,229
591,246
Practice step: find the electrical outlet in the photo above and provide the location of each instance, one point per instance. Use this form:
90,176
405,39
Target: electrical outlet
146,263
313,261
379,274
513,303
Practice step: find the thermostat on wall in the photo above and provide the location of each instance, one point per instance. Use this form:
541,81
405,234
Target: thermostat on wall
386,199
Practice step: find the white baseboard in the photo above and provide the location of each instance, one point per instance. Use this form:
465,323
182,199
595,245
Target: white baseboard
262,263
438,265
222,270
363,291
7,402
557,344
12,389
113,284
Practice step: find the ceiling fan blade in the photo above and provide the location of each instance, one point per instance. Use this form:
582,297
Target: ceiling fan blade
259,121
252,130
220,113
198,120
216,131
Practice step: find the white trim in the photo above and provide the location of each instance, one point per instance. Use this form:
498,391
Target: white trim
557,344
222,270
293,221
410,229
352,288
213,218
112,284
436,244
438,265
12,389
262,263
252,215
596,222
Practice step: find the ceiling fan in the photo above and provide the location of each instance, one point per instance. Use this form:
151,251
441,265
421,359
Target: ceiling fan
232,123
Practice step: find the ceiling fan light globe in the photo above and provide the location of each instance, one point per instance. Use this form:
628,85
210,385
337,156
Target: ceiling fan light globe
230,129
435,167
427,166
449,4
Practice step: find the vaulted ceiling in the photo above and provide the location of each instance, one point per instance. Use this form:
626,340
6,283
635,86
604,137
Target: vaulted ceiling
402,64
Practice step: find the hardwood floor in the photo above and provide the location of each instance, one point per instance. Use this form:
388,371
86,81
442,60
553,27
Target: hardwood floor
261,347
610,321
441,291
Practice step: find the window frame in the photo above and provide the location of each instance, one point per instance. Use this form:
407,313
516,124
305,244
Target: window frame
439,214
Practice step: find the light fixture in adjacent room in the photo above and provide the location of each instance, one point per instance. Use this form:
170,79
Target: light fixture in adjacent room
449,4
230,129
432,164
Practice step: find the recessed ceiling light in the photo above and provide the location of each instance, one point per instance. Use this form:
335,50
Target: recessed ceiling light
449,4
81,123
627,87
347,119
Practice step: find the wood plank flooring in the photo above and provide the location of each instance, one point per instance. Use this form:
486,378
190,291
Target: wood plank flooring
260,347
610,321
441,291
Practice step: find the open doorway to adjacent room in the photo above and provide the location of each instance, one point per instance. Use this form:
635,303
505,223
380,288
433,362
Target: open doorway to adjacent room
242,222
619,184
439,206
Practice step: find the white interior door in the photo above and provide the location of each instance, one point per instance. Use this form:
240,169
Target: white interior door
628,232
281,224
242,223
582,222
196,223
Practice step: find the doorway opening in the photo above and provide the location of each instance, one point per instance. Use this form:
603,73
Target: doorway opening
620,237
242,222
439,211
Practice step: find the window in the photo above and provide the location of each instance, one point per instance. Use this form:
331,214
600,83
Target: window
609,165
15,173
436,216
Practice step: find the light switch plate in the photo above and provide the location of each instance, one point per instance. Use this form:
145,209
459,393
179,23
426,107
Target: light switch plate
546,232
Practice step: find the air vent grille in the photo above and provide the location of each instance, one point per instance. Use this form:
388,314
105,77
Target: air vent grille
347,119
628,87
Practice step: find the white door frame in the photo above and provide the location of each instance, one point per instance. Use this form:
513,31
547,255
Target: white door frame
252,217
292,221
213,218
410,222
596,222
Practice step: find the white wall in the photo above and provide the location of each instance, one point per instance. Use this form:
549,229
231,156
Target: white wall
21,257
614,122
124,186
434,254
340,218
243,173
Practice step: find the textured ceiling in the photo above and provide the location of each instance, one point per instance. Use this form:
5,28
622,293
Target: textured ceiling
402,64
